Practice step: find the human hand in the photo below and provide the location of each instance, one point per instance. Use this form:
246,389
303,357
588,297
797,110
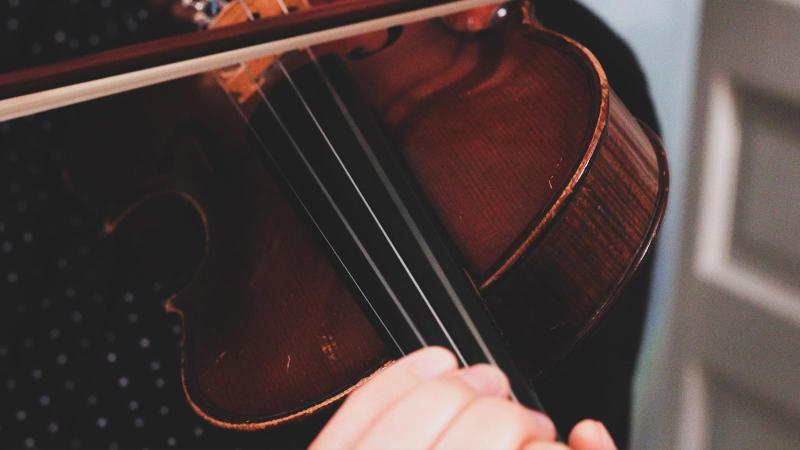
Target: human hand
425,402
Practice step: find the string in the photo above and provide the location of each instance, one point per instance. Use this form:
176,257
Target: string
316,224
349,228
365,145
363,199
403,210
393,194
362,141
341,216
333,203
373,215
407,218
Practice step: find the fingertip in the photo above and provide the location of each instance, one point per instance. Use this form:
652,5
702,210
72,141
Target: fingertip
545,425
545,446
591,435
486,379
429,362
380,393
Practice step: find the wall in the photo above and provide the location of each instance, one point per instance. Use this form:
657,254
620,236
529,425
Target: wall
664,34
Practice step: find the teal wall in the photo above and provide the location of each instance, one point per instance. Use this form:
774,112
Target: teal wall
664,34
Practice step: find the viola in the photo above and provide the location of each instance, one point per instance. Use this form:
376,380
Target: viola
363,183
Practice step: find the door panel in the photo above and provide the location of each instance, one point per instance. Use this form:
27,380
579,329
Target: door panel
767,214
729,375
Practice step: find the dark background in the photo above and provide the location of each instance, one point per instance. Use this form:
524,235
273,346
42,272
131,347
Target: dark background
88,358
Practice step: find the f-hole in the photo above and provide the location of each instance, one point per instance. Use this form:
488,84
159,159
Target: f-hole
392,35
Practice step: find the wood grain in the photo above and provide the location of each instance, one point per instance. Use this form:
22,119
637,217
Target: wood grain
546,187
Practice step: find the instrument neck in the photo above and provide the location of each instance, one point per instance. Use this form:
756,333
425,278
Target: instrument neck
345,177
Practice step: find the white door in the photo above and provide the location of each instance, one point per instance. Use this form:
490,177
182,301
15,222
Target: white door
726,371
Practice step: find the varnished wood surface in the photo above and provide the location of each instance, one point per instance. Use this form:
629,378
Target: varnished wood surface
546,186
572,276
524,106
271,331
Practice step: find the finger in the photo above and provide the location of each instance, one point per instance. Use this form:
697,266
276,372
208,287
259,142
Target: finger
590,435
545,446
417,420
365,404
496,423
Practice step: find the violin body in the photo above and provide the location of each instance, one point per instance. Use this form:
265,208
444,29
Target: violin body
548,190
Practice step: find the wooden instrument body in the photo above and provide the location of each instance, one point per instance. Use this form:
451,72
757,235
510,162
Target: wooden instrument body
546,186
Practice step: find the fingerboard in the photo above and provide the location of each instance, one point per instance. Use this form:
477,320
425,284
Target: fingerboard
341,170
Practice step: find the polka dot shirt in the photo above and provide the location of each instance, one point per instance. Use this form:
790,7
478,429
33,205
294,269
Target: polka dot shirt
88,357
